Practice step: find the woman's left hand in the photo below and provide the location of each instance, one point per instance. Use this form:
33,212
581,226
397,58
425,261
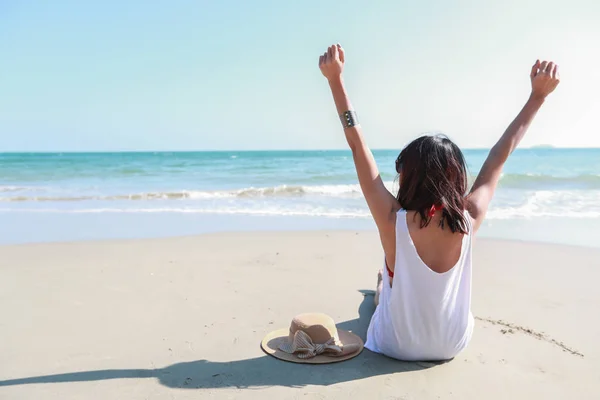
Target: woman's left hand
331,63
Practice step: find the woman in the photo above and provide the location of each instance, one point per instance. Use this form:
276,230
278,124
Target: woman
426,230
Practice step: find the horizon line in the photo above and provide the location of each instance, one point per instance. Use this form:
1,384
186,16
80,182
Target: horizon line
535,147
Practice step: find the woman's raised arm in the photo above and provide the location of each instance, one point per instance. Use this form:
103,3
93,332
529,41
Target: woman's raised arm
380,201
544,79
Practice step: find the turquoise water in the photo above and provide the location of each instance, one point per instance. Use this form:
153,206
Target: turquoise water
320,185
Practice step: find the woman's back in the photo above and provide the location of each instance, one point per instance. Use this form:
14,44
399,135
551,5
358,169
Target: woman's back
438,248
424,309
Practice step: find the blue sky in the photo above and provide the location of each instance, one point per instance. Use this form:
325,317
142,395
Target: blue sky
202,75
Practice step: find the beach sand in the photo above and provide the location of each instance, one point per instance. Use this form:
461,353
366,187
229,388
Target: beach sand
183,318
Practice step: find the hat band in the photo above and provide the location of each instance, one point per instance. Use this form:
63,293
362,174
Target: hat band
303,346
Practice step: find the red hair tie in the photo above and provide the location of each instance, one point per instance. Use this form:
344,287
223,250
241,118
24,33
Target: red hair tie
435,208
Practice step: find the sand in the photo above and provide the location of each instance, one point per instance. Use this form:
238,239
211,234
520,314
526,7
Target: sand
182,318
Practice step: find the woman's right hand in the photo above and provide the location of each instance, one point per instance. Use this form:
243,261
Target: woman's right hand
544,79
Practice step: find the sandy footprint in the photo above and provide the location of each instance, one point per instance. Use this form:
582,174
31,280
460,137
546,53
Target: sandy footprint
510,328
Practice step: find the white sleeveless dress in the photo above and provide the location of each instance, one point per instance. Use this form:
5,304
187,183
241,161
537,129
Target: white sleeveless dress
425,315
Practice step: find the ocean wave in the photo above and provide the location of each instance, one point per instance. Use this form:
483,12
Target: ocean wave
140,196
11,189
549,204
522,182
536,181
499,213
506,205
332,213
277,191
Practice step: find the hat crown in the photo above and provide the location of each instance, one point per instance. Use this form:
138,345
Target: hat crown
320,327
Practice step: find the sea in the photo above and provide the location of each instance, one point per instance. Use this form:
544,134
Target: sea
545,194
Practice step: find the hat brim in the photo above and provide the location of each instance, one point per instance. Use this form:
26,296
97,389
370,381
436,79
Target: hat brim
270,345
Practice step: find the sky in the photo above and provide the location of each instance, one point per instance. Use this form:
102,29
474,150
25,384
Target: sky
242,75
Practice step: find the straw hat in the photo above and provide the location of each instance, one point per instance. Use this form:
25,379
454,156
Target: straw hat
312,339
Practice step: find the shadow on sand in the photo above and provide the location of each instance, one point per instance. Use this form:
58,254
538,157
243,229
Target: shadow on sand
254,372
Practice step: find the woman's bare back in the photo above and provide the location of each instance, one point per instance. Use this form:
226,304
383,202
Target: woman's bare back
439,248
